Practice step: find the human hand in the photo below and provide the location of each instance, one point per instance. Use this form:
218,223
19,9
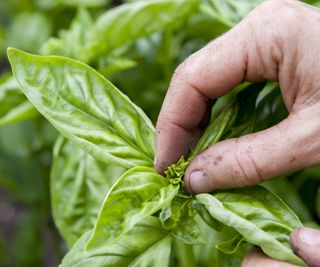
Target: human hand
278,41
305,242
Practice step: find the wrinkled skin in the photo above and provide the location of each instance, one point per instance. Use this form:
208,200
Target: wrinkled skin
278,41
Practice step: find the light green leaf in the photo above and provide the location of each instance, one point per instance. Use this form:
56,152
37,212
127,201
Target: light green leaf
14,106
79,184
117,27
86,108
259,216
142,243
139,193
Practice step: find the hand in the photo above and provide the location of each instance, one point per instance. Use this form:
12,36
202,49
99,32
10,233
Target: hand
279,41
305,242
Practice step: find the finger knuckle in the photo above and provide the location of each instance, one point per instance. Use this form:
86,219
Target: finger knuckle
245,166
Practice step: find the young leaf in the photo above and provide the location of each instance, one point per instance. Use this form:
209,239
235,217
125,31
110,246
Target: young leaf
259,216
86,108
139,193
79,184
146,244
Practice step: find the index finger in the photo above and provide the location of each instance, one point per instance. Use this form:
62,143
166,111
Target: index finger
209,73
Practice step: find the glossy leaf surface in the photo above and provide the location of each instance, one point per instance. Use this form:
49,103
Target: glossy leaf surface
86,108
139,193
143,245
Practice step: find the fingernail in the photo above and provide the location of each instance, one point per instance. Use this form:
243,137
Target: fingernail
307,236
199,182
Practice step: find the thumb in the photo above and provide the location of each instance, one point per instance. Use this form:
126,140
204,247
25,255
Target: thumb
251,159
306,243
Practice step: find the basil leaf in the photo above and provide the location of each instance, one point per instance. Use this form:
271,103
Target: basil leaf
139,193
78,186
144,244
246,118
118,27
231,246
218,127
259,216
14,106
86,108
178,217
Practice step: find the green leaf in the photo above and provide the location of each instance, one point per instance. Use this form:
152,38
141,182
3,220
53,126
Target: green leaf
259,216
246,117
218,127
231,246
14,106
118,27
178,217
79,184
86,108
143,244
139,193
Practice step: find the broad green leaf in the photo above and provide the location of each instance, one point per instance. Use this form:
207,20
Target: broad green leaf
79,184
139,193
143,242
289,194
117,27
86,108
259,216
14,106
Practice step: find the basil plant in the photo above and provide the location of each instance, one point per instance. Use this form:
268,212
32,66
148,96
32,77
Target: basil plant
109,203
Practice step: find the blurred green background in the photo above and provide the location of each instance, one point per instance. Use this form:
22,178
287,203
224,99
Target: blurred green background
141,65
